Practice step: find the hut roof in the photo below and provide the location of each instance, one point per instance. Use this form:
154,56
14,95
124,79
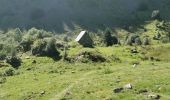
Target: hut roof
82,33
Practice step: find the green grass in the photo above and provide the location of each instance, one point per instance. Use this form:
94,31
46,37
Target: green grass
51,80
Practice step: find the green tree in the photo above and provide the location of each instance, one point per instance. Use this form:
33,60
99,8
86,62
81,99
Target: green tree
109,39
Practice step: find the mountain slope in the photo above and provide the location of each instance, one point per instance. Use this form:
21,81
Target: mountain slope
63,15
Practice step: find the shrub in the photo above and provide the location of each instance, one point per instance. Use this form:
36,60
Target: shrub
138,41
38,34
2,55
109,39
2,80
128,41
13,60
88,55
16,34
157,36
26,45
45,48
115,40
7,71
165,39
132,38
146,41
38,48
51,50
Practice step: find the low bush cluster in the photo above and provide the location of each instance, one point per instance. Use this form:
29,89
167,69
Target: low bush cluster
45,48
89,55
134,39
7,71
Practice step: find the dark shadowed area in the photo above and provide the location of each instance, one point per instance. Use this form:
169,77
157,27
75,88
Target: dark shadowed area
65,15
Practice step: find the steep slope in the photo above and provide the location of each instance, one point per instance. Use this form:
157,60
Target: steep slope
63,15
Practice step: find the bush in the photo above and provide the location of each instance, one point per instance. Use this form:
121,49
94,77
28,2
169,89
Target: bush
138,41
2,55
45,48
38,34
109,39
157,36
2,80
51,50
165,39
128,41
88,55
32,36
13,60
16,34
132,38
7,71
146,41
115,40
26,45
38,48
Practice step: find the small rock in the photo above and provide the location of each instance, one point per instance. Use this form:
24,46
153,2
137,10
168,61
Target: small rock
155,97
34,62
118,90
135,65
27,57
42,92
134,50
128,86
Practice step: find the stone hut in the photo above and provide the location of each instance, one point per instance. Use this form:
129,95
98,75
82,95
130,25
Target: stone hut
84,39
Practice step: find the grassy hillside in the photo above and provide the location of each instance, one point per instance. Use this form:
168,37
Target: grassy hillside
65,15
50,80
121,64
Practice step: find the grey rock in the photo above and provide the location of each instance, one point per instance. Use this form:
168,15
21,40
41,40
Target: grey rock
153,96
42,92
128,86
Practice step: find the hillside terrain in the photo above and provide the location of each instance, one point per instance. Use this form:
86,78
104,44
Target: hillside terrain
66,15
40,65
84,50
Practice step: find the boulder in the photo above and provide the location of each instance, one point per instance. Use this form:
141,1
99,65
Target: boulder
134,50
128,86
153,96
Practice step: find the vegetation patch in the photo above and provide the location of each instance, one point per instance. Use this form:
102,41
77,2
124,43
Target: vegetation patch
161,53
87,55
7,71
